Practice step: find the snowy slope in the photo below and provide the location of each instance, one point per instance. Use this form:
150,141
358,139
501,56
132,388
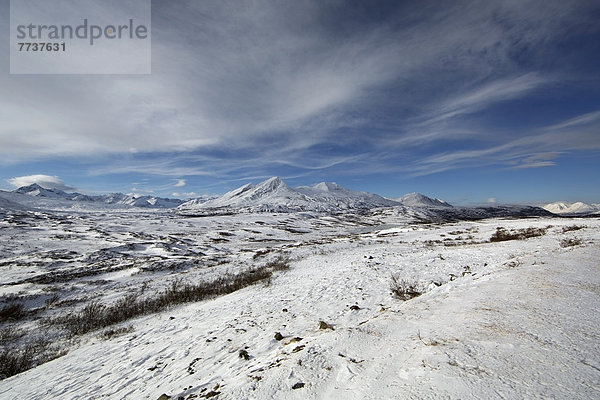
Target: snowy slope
273,195
496,320
420,200
8,205
572,208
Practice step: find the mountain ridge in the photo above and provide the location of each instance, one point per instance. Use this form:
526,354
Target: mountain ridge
274,195
576,208
117,199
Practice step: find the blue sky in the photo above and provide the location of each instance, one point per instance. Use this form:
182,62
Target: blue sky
468,101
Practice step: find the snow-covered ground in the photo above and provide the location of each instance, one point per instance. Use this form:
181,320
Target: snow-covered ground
509,319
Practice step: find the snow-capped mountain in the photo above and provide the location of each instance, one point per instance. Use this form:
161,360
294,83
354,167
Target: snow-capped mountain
133,200
332,193
572,208
420,200
270,195
35,195
36,190
273,195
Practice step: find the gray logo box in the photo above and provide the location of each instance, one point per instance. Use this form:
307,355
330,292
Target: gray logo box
80,37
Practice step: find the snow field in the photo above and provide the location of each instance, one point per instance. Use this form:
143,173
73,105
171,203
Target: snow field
520,322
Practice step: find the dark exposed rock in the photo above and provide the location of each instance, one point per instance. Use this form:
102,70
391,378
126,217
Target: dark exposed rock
244,354
325,325
298,348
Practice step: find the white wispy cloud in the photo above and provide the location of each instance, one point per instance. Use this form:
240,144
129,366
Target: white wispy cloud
483,96
185,195
138,190
275,81
539,149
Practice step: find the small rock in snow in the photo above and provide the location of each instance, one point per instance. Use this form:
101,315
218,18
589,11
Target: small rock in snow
298,385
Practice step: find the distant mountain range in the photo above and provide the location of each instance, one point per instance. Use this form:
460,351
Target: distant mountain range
27,195
273,195
577,208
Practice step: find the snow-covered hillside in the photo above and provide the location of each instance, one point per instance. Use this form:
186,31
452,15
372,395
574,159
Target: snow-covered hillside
273,195
572,208
420,200
508,319
8,205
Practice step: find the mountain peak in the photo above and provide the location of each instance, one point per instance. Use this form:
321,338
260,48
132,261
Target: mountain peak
36,190
420,200
28,188
271,183
327,186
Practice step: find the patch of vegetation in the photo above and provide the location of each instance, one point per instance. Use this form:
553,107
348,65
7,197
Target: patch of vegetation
10,334
95,315
15,361
573,228
12,311
52,301
281,263
570,242
403,289
111,333
260,253
503,234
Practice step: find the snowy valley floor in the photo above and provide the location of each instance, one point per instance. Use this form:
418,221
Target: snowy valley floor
497,320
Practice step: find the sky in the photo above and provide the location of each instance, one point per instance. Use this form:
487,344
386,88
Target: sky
468,101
